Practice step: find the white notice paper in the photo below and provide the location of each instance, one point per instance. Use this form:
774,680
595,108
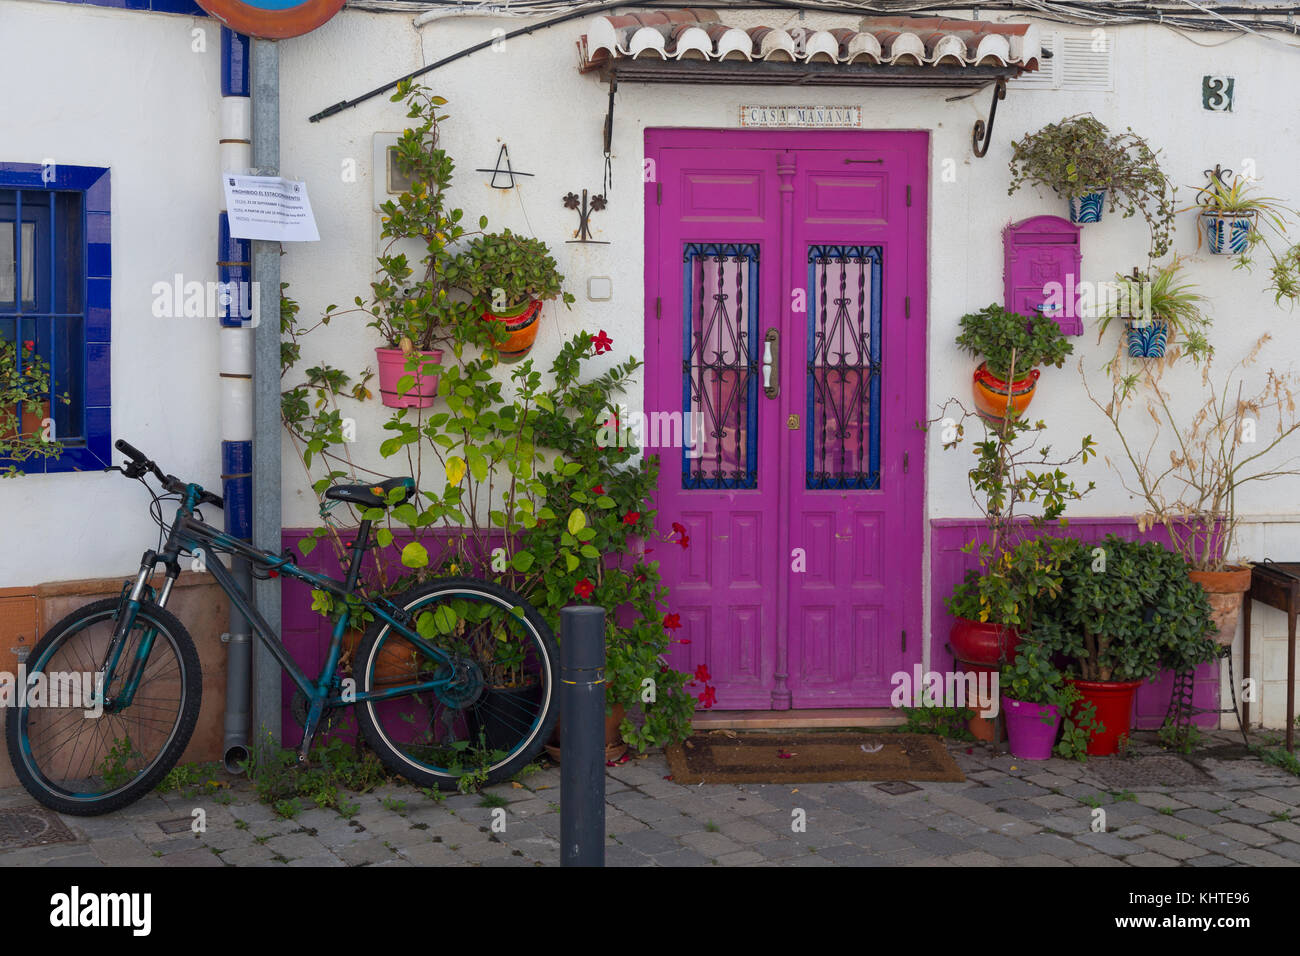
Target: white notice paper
268,207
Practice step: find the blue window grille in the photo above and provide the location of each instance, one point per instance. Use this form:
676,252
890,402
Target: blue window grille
843,428
55,277
720,365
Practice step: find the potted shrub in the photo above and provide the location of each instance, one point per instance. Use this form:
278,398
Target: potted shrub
516,274
24,406
1156,309
1035,696
1081,160
1012,347
416,310
1230,215
1124,611
1192,490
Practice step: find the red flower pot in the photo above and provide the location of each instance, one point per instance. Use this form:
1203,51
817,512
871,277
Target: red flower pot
1114,702
993,396
977,642
521,324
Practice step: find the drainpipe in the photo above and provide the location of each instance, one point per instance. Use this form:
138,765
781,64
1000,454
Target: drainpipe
236,371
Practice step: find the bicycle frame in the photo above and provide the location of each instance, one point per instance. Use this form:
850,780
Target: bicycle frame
190,534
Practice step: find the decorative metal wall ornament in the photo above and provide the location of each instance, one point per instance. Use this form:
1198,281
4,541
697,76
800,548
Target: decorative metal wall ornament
1218,177
583,232
497,170
982,133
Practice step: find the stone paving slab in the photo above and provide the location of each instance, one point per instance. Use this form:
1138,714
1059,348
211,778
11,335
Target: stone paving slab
1007,813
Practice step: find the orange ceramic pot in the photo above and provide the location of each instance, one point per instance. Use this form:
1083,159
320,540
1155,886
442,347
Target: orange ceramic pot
993,396
1224,590
521,329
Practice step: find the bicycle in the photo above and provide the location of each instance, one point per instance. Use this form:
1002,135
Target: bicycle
454,676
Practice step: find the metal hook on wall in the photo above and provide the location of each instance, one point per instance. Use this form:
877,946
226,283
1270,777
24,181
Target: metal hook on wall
982,133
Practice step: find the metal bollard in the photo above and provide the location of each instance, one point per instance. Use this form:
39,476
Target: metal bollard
582,739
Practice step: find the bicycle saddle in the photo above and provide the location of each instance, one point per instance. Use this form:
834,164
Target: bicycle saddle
372,495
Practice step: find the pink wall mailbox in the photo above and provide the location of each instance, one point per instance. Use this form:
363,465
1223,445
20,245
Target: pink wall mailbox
1041,270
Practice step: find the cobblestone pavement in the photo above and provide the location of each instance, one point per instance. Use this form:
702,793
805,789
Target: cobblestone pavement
1220,811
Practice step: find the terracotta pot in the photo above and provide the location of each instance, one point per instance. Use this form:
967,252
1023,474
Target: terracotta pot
392,367
1114,702
614,746
1225,590
396,662
30,423
993,396
976,642
521,324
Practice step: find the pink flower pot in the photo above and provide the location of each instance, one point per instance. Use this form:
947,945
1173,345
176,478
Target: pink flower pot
1030,736
392,367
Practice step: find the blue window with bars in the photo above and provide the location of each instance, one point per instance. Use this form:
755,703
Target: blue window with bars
55,275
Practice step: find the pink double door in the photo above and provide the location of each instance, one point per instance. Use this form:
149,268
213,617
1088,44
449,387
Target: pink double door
785,312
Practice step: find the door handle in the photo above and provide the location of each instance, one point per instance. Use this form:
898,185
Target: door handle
771,363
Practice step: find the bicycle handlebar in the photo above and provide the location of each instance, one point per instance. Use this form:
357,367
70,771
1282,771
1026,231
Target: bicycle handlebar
140,463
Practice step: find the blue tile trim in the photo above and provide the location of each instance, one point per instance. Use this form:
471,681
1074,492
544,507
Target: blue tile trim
234,63
94,182
237,486
187,7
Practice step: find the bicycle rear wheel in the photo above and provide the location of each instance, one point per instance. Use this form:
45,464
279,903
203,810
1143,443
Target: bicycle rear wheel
78,755
499,705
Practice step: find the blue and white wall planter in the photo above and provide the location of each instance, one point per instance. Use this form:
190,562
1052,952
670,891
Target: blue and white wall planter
1228,233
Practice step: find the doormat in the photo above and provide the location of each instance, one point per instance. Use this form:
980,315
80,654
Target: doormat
730,757
32,826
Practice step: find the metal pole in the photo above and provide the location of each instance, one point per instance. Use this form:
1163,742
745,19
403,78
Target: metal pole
582,740
266,387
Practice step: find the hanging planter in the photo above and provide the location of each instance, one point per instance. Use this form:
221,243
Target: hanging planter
1146,338
520,325
1087,208
993,396
1228,233
392,369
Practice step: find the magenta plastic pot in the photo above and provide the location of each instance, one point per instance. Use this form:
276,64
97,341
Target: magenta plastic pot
1030,736
392,368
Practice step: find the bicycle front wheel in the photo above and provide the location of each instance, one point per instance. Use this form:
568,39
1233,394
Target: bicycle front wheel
496,705
83,743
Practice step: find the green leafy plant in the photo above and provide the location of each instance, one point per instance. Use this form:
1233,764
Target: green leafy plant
1183,738
1080,155
1162,296
24,395
511,270
1077,730
942,721
1125,610
1010,344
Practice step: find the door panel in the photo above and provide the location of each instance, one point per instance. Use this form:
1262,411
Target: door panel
786,590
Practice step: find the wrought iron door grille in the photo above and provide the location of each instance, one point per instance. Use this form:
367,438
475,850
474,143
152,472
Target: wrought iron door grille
843,427
719,365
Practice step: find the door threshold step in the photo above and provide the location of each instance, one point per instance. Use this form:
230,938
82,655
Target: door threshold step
786,719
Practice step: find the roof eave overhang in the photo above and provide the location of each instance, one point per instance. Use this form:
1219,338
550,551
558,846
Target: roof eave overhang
746,73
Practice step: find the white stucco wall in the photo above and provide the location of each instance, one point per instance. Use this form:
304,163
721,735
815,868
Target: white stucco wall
126,91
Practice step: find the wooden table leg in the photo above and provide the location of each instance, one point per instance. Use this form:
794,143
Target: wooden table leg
1290,679
1245,665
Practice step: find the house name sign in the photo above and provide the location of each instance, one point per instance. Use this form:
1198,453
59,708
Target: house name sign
806,117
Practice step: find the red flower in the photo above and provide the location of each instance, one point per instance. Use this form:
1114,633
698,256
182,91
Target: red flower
685,541
29,345
785,754
584,588
709,697
602,342
684,640
702,673
672,622
632,517
678,528
599,489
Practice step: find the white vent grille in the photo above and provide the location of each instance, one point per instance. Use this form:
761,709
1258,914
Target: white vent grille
1087,62
1046,77
1079,63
